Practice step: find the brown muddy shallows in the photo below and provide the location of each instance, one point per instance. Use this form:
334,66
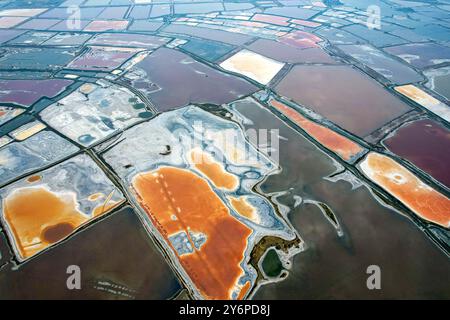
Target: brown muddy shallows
211,168
57,232
330,139
423,200
177,200
39,217
265,244
34,178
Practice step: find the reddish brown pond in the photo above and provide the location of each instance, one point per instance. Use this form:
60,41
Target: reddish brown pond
425,143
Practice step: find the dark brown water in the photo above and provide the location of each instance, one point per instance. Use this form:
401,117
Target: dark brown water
425,143
114,254
57,232
180,80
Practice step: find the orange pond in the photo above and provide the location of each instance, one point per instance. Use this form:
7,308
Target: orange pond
38,217
333,141
406,187
178,200
211,168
